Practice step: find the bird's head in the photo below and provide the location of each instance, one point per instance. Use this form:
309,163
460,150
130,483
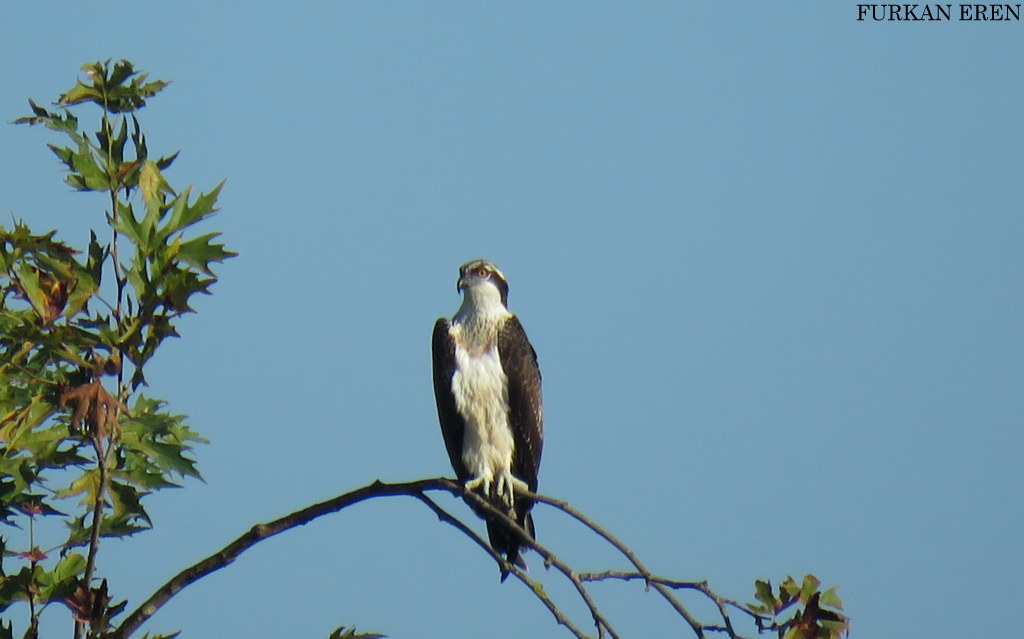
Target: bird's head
481,280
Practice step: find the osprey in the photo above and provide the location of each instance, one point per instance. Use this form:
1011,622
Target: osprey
487,387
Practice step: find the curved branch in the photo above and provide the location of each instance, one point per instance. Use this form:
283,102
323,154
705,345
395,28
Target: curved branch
258,533
700,586
660,585
418,490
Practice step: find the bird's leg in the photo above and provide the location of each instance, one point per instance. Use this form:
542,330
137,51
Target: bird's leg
507,485
477,482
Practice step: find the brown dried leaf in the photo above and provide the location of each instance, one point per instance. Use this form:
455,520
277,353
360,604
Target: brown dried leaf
87,605
96,407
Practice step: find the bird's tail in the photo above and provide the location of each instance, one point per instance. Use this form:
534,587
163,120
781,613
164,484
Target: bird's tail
506,542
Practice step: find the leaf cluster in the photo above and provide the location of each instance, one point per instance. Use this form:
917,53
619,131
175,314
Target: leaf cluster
99,163
79,442
815,614
167,267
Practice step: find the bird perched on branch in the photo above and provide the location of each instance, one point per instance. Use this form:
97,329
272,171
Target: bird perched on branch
488,391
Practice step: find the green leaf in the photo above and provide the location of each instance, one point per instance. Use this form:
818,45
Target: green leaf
165,162
117,144
64,154
128,516
200,252
97,255
84,290
78,533
139,140
62,580
831,599
184,215
109,87
38,110
123,70
15,587
127,225
763,593
789,588
81,93
156,441
85,173
28,281
808,588
66,123
39,115
86,484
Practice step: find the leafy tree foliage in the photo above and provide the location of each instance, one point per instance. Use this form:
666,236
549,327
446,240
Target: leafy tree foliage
817,614
79,441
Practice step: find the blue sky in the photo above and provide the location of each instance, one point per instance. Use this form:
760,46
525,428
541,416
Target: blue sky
770,258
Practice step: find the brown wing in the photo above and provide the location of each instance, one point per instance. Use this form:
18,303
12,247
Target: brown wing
526,411
526,417
452,424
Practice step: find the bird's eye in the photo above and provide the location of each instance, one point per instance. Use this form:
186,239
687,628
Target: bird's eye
481,272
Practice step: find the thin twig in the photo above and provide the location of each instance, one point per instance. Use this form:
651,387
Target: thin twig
701,586
97,522
532,584
696,626
33,614
600,622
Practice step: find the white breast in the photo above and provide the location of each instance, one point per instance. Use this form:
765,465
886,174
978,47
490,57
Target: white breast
481,397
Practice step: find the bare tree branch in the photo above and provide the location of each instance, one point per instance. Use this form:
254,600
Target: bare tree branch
418,489
258,533
696,626
701,586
